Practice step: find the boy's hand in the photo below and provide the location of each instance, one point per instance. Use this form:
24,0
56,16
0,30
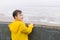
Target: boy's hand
31,25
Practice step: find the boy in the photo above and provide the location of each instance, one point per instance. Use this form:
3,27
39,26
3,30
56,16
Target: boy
18,29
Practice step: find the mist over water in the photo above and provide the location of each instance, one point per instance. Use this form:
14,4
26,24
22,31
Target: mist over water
35,11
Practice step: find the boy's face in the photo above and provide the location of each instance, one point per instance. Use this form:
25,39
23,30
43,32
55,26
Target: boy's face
19,16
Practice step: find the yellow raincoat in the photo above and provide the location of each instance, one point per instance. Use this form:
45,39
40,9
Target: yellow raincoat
19,31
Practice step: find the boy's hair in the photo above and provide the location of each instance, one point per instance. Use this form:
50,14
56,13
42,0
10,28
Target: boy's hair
16,12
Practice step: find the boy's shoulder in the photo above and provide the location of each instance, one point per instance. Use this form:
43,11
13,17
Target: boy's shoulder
15,23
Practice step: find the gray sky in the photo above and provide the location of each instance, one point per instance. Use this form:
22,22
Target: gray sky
39,8
7,6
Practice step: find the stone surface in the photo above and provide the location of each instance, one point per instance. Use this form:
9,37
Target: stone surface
39,33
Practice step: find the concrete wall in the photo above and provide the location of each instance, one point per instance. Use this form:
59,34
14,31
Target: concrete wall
39,33
4,32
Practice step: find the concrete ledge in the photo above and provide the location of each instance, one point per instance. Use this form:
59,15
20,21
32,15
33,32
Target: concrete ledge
40,32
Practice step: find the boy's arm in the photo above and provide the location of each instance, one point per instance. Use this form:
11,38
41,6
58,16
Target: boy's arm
25,29
14,27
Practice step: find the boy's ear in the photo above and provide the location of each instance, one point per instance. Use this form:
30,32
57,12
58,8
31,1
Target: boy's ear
15,17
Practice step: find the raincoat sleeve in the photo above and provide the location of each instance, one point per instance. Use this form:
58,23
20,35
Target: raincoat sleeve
28,29
14,27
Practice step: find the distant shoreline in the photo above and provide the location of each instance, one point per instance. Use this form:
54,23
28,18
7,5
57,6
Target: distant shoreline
41,23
